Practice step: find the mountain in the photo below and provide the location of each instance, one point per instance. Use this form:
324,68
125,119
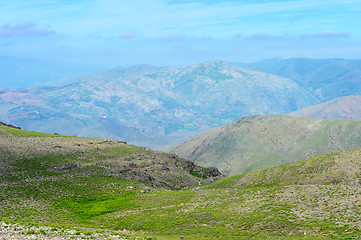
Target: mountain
18,72
326,78
152,106
348,107
256,142
61,187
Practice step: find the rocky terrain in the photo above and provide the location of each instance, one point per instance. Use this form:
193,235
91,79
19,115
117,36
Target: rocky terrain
72,155
13,231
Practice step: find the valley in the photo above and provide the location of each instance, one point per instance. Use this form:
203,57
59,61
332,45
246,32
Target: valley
239,174
180,119
73,191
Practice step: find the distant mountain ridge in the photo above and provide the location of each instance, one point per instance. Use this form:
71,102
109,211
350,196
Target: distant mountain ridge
257,142
152,106
326,78
348,107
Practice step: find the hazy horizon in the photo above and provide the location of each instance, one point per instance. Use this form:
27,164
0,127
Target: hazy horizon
178,33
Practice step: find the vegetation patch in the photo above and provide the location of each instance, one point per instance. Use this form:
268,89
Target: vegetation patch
86,208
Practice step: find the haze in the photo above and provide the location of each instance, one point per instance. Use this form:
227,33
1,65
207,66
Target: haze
113,33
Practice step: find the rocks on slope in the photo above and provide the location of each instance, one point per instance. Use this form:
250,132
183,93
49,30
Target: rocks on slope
83,157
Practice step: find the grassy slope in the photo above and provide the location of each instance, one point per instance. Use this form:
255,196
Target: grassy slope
280,202
257,142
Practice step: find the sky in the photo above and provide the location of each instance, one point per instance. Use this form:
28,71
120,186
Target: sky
178,33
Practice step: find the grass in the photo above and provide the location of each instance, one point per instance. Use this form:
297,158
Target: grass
318,198
25,133
257,142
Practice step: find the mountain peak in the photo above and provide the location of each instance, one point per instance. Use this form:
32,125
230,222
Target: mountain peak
212,64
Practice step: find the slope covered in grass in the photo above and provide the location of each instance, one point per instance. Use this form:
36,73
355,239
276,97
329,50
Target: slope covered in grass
319,197
342,167
257,142
62,180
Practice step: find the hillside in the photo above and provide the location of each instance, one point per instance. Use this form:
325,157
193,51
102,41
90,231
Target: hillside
335,168
326,78
348,107
152,106
59,157
257,142
67,196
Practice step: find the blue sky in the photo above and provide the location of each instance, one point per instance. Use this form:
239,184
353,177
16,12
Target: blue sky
160,32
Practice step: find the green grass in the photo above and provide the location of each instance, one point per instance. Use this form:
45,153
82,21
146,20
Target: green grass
122,151
86,208
25,133
312,199
257,142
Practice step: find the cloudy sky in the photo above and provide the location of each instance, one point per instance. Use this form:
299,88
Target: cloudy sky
163,32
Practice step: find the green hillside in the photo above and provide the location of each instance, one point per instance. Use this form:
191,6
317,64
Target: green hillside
67,188
257,142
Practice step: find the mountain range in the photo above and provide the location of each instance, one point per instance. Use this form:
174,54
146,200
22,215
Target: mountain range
326,78
152,106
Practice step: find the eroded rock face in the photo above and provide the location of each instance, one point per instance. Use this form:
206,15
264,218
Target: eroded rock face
164,170
73,156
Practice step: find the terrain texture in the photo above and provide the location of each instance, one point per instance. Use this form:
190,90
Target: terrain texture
61,157
152,106
326,78
71,192
256,142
